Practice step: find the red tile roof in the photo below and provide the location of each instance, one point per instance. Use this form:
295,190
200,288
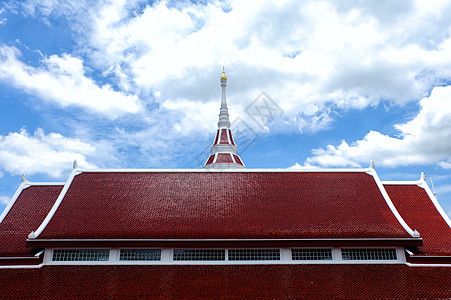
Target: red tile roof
210,159
233,281
237,159
417,209
224,138
223,205
224,158
27,213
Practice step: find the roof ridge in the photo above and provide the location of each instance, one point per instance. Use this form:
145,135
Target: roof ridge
263,170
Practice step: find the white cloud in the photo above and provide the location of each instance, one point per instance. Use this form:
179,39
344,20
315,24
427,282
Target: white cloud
4,200
425,139
2,20
50,154
61,80
193,113
298,166
356,55
311,57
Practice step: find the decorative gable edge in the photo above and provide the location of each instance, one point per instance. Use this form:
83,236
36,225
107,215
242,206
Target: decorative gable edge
23,185
35,234
390,204
423,184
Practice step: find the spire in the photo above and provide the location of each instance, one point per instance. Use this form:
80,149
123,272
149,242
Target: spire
224,111
223,151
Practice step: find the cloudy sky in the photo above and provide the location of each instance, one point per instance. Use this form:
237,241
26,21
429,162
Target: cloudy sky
135,84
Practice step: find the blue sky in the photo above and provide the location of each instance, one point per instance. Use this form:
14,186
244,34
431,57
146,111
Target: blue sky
135,84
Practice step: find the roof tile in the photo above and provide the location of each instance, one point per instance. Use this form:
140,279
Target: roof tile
233,281
223,205
27,213
417,209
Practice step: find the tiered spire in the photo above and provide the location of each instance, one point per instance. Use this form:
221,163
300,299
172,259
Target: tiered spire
223,151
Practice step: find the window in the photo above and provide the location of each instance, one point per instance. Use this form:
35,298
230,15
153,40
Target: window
311,254
140,254
199,254
81,255
254,254
369,254
223,256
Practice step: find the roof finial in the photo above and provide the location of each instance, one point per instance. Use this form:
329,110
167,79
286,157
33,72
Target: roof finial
423,176
372,164
223,76
224,111
24,177
432,184
75,164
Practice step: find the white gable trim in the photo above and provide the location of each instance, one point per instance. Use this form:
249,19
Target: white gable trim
427,265
434,200
423,184
55,206
415,182
22,266
231,240
25,184
12,201
391,205
365,170
28,183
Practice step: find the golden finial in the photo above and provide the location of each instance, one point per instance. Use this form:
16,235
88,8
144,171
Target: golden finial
223,76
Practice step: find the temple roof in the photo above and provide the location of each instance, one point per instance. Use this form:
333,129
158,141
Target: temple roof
358,281
419,211
31,205
222,205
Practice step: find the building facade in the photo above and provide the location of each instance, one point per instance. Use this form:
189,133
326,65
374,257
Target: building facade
225,232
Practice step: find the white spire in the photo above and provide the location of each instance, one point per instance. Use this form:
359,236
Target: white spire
224,151
224,121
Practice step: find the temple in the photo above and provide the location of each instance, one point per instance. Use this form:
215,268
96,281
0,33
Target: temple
225,231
